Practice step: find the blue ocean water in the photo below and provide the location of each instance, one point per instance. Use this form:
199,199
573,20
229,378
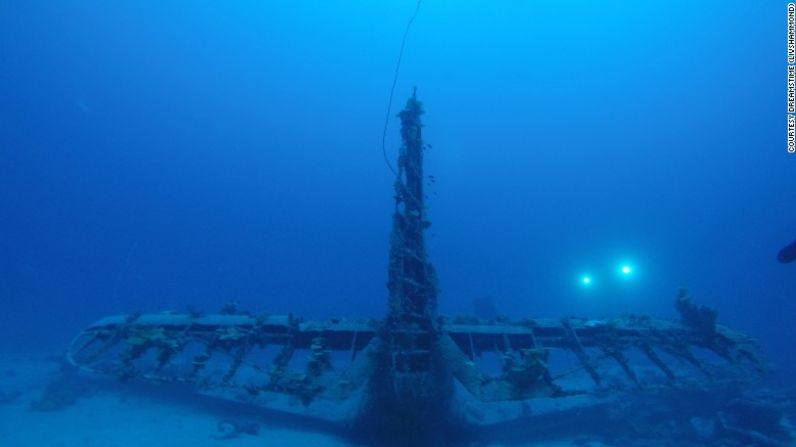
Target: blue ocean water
161,155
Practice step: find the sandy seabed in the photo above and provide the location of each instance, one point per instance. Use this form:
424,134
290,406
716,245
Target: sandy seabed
112,415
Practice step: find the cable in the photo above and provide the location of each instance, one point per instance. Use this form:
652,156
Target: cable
392,88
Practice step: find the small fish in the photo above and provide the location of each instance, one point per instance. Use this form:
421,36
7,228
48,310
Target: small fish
787,254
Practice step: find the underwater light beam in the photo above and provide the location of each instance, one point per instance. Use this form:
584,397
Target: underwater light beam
626,271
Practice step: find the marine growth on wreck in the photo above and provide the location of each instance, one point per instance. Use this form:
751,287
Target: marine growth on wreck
420,378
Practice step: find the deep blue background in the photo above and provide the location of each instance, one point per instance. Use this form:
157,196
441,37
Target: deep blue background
155,155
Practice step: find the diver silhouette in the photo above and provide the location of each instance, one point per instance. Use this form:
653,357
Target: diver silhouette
787,254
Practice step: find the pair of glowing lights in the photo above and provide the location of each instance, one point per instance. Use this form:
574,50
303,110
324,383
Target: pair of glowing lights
625,270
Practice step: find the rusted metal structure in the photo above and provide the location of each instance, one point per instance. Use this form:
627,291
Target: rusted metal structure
406,373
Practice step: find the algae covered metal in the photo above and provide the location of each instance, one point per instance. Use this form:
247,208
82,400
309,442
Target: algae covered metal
406,373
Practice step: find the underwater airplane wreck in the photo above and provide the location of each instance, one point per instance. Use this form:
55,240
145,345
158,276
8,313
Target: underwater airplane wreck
416,377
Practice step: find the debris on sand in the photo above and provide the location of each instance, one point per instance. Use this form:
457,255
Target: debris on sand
229,429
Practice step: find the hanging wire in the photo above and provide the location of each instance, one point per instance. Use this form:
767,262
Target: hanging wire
392,88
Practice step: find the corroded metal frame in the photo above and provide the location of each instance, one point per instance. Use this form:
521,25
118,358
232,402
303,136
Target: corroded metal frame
405,368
